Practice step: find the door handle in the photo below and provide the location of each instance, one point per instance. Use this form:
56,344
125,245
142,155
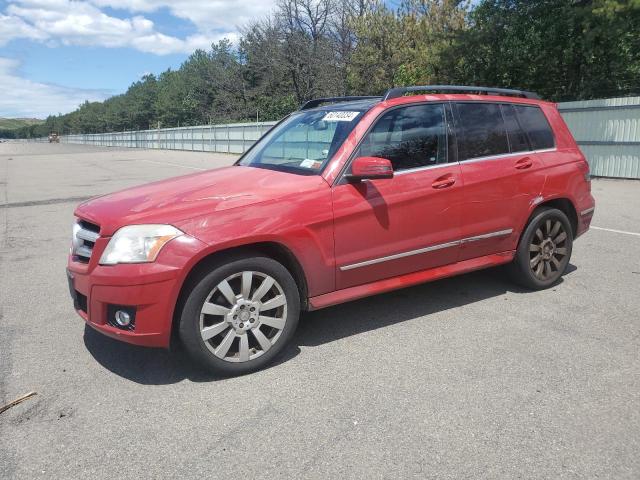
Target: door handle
443,182
523,163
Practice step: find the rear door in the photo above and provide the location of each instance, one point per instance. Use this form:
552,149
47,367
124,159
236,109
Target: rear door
502,176
389,227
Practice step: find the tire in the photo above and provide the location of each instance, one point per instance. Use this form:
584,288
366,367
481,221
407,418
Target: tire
544,250
233,329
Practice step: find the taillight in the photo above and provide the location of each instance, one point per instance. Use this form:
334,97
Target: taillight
584,167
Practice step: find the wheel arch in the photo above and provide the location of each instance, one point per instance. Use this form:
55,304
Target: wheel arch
566,206
273,250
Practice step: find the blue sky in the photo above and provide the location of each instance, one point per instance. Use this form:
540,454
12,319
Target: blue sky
54,54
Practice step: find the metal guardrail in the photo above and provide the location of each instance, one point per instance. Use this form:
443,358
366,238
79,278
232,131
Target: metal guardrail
607,130
226,138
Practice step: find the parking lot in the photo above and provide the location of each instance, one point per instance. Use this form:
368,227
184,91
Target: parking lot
469,377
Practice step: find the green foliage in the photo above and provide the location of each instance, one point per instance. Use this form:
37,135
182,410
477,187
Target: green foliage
562,49
379,52
13,123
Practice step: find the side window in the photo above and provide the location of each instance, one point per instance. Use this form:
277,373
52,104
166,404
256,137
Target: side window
411,137
517,138
481,130
536,125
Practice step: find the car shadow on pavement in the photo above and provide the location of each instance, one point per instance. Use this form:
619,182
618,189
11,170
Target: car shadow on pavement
152,366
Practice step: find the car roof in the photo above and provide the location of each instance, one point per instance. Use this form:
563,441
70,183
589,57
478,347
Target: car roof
366,104
450,97
467,97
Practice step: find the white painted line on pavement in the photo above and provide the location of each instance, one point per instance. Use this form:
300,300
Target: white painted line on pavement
617,231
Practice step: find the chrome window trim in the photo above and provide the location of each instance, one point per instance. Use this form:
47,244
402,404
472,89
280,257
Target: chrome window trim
426,167
494,157
506,155
431,248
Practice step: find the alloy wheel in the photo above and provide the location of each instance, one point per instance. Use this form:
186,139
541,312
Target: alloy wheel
243,316
548,249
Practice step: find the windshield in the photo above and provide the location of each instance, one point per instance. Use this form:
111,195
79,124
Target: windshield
304,142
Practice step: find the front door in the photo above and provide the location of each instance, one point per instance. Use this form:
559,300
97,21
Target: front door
390,227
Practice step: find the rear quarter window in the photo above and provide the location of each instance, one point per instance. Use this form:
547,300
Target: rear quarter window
535,123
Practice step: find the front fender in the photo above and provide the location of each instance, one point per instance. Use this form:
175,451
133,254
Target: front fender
303,225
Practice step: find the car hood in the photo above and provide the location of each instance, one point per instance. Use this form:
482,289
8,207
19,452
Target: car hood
175,200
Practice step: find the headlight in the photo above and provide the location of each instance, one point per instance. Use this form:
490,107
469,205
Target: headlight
138,243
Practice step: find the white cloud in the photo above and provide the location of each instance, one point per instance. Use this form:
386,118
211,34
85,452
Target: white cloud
70,22
85,23
14,27
207,15
26,98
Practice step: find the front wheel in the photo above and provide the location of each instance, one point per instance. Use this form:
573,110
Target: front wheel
544,250
240,316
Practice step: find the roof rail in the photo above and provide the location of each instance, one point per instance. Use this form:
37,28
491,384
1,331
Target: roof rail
318,101
400,91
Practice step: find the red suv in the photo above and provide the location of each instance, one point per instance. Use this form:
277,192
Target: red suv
345,198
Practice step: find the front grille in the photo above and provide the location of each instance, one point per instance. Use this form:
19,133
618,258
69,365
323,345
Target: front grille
85,235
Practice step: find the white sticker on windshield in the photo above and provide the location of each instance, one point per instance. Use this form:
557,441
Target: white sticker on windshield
308,163
340,116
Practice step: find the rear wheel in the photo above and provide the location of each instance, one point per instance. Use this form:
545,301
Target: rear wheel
544,250
240,316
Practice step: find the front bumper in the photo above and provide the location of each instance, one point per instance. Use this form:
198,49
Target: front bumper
149,289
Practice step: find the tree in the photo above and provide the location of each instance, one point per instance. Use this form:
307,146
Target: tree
269,86
229,84
562,49
306,49
379,50
430,29
142,99
171,103
565,50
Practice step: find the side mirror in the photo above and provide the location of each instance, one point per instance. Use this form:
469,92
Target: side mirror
371,168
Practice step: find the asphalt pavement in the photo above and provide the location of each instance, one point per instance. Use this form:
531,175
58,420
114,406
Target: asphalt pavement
469,377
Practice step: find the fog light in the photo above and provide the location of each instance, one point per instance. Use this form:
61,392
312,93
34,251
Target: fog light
122,318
